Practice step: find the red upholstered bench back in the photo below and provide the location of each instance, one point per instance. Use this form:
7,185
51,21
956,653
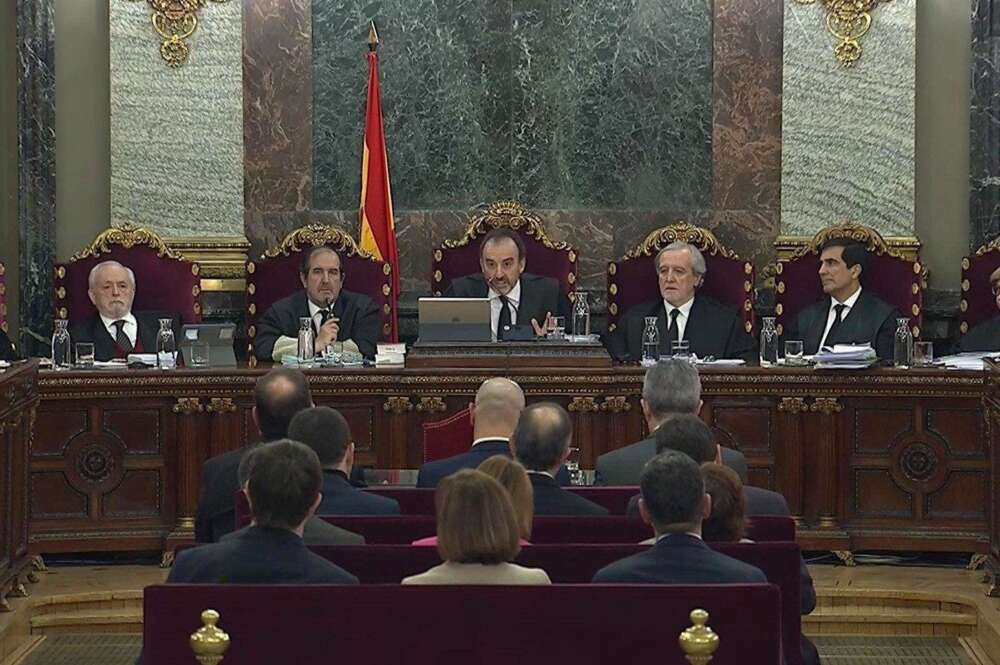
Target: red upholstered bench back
420,500
452,625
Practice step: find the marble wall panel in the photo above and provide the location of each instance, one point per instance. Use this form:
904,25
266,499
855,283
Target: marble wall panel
177,133
36,152
984,125
277,104
848,134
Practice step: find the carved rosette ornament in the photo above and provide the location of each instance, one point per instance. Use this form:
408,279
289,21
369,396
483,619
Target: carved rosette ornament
919,462
175,21
848,21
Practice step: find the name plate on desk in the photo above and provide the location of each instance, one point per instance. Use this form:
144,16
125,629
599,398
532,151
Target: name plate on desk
505,355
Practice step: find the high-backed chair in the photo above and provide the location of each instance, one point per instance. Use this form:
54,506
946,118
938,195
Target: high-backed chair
165,280
457,258
276,273
3,298
632,279
978,303
896,278
448,437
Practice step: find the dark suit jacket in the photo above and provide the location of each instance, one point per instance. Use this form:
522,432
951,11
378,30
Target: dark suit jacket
316,532
550,499
105,347
342,498
431,473
871,320
679,559
359,321
6,348
216,514
258,555
712,330
624,465
539,295
984,337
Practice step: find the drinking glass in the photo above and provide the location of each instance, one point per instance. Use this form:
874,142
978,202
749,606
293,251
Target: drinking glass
84,354
680,348
558,330
199,355
923,354
793,352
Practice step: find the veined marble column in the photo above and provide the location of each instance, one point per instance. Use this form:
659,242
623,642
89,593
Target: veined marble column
848,133
177,133
36,146
984,124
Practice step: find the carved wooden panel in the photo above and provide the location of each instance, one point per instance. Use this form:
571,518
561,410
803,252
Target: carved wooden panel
743,425
54,430
961,429
138,429
875,428
138,495
877,495
962,497
52,497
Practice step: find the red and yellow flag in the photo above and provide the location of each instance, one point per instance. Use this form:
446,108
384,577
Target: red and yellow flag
378,230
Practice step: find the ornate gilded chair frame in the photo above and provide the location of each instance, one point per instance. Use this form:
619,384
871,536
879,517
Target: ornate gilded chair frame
513,215
109,242
975,289
710,247
904,249
3,297
314,235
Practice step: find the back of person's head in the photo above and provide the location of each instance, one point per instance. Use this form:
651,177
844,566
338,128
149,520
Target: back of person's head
324,430
499,402
687,434
854,253
278,396
283,483
542,436
673,492
514,478
728,522
476,522
671,387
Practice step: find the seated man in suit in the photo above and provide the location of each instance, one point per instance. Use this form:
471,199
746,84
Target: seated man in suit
326,431
516,298
540,442
116,331
670,388
338,315
985,336
711,328
278,396
283,491
674,503
6,348
849,314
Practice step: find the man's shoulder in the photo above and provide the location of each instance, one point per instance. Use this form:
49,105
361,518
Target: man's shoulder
733,570
760,501
289,302
467,283
711,307
644,309
533,281
870,302
637,450
321,571
356,299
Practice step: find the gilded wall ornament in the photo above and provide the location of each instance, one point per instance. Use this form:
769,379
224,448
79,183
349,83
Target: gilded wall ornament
848,21
175,21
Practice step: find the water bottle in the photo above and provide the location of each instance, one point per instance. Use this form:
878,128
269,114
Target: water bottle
166,346
581,316
307,342
768,343
61,345
902,350
650,342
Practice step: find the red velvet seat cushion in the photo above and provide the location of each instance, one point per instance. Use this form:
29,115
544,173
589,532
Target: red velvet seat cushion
978,302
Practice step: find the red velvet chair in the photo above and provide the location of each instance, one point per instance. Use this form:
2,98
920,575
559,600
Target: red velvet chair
3,298
978,303
448,437
894,276
632,279
457,258
276,273
165,280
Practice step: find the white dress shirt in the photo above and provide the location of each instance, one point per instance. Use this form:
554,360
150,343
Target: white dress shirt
682,317
314,312
514,300
832,314
131,328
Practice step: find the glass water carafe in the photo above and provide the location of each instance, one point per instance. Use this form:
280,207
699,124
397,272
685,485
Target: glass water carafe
166,345
581,315
650,342
768,343
61,345
902,349
307,341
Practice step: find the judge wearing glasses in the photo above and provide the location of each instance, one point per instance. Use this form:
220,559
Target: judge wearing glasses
516,298
986,335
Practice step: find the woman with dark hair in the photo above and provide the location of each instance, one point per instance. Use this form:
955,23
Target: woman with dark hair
728,522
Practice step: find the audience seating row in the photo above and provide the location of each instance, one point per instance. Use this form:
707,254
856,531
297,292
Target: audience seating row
458,625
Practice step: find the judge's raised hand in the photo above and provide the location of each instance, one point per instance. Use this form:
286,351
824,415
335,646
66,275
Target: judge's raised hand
327,334
542,330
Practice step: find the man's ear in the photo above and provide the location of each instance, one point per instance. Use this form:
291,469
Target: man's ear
312,510
246,493
349,455
90,294
701,403
855,271
303,277
718,453
644,512
706,506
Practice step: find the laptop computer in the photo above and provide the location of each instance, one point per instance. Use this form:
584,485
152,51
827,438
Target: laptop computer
208,345
454,319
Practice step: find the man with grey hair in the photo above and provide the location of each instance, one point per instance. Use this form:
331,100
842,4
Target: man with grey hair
115,330
671,388
710,328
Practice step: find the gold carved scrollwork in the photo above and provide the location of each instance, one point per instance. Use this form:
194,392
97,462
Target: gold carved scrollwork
127,235
510,214
584,405
175,21
826,405
221,405
792,247
848,21
792,405
397,405
701,238
314,235
188,406
431,405
615,404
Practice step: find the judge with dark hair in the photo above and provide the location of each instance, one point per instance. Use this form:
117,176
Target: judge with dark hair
338,315
516,298
848,314
985,337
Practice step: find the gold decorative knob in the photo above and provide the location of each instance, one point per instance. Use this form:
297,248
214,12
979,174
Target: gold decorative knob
209,642
431,405
699,641
188,406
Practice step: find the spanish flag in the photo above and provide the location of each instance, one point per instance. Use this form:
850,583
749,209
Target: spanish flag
378,230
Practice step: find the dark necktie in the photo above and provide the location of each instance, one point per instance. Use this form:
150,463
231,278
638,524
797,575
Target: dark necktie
324,315
673,331
121,339
504,322
837,320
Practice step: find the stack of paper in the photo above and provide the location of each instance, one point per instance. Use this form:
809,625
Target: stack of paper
972,360
390,355
846,356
